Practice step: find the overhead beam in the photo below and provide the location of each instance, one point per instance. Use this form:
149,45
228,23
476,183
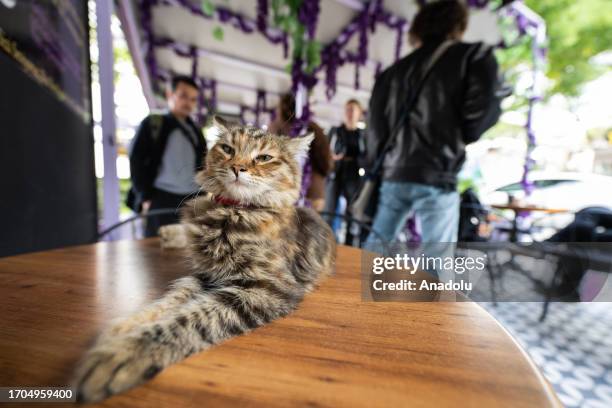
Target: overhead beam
271,33
125,12
245,88
352,4
183,50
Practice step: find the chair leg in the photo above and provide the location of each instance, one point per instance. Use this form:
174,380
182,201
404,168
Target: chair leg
549,293
491,280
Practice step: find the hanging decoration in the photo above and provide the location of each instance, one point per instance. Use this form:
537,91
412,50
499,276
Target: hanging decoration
478,4
529,24
207,11
296,20
207,99
259,110
193,54
334,55
146,21
226,16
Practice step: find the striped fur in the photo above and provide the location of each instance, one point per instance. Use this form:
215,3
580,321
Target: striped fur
251,264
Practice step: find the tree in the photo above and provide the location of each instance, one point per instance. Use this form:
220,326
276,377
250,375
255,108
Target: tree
577,31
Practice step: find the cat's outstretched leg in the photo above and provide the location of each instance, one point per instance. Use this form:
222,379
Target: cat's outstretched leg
116,366
180,292
119,362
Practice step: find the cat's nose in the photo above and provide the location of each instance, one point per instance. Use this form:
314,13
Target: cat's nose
238,169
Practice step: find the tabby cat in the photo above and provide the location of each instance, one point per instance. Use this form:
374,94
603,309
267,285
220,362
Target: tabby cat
254,256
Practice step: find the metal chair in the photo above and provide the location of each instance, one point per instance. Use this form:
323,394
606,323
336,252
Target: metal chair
362,227
132,219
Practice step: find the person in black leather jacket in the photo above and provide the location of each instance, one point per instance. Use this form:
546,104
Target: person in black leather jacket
457,103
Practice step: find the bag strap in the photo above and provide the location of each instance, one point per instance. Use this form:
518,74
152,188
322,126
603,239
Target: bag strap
189,133
411,103
156,122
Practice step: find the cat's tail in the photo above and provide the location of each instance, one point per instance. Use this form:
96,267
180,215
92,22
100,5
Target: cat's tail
193,316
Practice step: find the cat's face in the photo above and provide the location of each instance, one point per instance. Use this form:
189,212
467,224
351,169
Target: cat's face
254,167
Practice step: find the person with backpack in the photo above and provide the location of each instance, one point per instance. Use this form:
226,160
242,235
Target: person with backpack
166,152
423,111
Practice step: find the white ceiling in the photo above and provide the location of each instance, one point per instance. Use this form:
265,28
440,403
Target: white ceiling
243,63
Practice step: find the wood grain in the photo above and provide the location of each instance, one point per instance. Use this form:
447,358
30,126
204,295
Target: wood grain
336,350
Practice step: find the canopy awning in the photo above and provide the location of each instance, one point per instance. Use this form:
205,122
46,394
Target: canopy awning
175,36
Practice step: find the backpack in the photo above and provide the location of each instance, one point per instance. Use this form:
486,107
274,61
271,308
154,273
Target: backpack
156,122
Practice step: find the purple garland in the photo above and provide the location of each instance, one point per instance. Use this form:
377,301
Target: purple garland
529,24
236,20
471,3
308,15
146,20
478,4
334,54
260,108
262,15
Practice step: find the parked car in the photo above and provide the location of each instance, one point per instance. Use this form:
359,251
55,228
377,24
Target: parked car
570,191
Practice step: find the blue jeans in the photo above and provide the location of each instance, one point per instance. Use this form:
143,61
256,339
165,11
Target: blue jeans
436,209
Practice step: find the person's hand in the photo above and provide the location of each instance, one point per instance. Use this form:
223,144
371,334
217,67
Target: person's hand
337,157
145,206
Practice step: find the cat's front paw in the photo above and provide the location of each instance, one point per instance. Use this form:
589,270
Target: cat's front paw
111,368
173,236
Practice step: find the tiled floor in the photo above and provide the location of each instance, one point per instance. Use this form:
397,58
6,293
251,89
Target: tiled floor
572,347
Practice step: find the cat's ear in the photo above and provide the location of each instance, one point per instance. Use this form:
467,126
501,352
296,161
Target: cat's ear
299,146
220,123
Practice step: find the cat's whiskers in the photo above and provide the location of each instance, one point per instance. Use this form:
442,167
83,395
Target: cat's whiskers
186,197
195,199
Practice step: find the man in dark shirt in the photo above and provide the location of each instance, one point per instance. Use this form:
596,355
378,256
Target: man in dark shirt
165,154
347,146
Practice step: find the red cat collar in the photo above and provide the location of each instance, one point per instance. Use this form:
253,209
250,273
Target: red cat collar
230,202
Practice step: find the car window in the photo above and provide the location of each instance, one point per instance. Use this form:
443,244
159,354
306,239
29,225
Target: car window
510,188
551,183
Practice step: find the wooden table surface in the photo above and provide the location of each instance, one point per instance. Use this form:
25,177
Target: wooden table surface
336,350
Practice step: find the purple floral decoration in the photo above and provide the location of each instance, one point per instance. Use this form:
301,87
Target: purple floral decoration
259,109
529,24
365,22
308,15
227,16
333,55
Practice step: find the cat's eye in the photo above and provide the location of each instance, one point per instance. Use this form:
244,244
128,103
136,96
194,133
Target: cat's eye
227,149
263,158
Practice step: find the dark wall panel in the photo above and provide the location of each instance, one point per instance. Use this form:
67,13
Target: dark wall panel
47,180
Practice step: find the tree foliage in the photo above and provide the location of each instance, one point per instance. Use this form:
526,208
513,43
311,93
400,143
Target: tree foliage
577,31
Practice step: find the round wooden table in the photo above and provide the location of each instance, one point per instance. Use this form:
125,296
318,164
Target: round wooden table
336,350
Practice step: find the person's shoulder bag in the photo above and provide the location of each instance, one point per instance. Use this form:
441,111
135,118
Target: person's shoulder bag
132,200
